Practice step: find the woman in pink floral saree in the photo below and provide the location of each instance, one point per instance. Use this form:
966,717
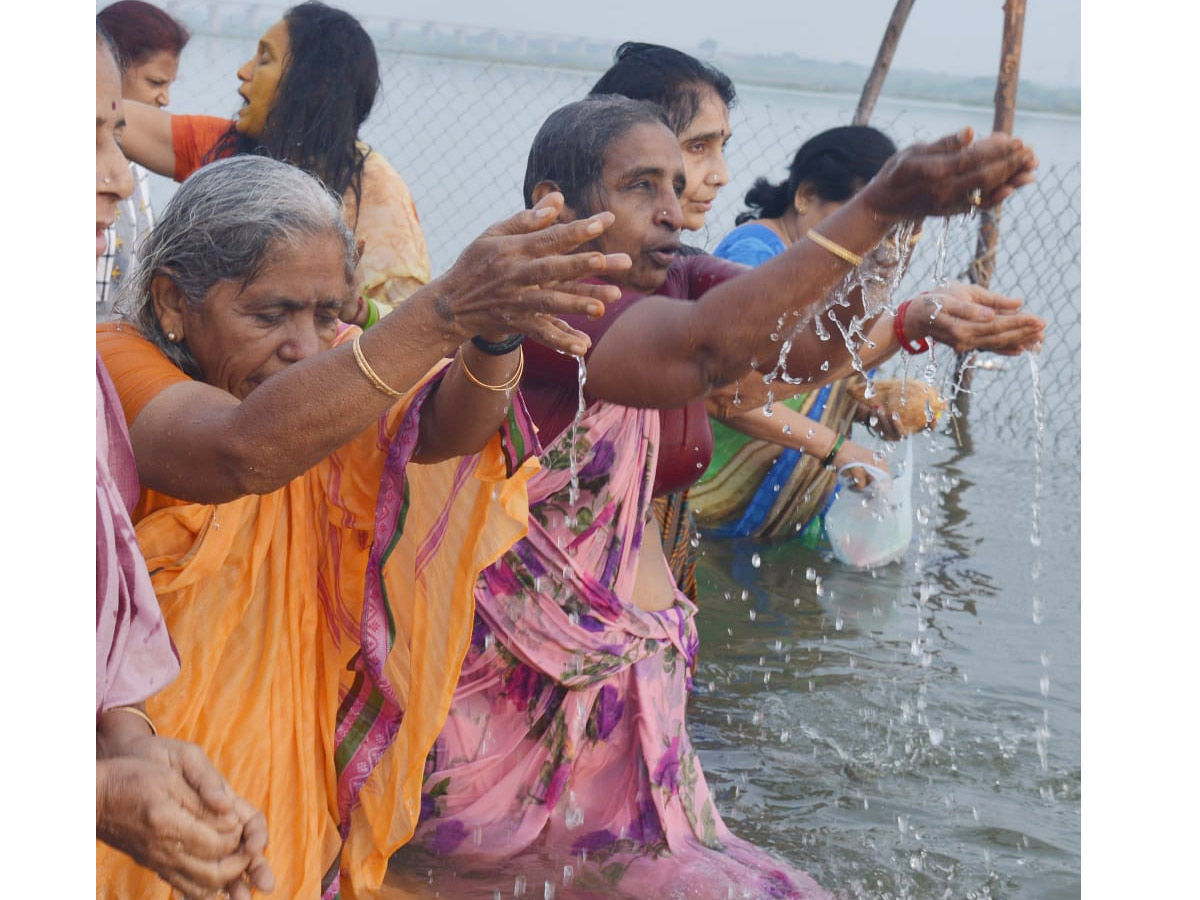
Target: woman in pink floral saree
567,733
566,757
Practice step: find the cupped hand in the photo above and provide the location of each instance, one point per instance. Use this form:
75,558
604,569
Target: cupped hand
521,275
210,806
149,811
970,317
941,178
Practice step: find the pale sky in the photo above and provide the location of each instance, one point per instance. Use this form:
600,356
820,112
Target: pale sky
960,37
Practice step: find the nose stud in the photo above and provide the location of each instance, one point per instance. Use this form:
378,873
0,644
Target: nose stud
108,181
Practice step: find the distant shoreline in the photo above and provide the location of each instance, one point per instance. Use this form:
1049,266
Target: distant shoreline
901,85
785,71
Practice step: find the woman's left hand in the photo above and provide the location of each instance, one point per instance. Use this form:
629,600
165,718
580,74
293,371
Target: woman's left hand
969,317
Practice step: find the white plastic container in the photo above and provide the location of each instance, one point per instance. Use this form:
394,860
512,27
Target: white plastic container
872,526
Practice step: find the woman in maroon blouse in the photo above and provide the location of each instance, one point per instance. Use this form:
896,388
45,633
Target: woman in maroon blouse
566,753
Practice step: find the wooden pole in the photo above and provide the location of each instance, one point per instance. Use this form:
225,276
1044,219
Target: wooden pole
984,263
883,61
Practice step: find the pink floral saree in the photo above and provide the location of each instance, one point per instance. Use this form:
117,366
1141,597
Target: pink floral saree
566,756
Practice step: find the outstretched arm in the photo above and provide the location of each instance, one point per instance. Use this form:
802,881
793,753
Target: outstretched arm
664,352
147,140
789,428
200,443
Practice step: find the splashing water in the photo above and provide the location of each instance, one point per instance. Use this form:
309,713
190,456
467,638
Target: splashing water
572,453
1035,538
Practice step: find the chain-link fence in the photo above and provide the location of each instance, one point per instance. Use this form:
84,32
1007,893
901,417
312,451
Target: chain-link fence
458,129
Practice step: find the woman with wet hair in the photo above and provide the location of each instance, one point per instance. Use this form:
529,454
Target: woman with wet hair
306,93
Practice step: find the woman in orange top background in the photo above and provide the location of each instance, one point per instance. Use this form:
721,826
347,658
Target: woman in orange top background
305,94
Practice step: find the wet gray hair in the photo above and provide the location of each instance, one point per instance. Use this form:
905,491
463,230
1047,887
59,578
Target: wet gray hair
224,224
572,144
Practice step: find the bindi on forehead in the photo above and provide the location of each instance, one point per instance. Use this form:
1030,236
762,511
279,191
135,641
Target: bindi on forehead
114,104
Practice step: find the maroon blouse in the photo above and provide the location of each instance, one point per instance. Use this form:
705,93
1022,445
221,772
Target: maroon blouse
550,384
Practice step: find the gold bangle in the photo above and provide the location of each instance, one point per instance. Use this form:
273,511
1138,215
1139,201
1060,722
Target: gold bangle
835,248
508,385
366,369
137,712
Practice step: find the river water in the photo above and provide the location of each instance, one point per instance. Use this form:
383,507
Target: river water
908,733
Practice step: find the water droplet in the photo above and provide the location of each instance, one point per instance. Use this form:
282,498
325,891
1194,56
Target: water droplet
756,560
936,735
753,615
548,893
519,886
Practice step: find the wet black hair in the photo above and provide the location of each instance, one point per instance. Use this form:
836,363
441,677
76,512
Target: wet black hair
672,79
572,144
837,163
330,79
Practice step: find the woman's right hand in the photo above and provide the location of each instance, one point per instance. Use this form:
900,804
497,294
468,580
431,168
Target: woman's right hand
162,803
941,178
521,274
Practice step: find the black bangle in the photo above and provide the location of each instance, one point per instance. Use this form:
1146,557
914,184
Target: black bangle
492,348
832,454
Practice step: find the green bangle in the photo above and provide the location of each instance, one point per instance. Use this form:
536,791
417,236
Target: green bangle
837,445
372,313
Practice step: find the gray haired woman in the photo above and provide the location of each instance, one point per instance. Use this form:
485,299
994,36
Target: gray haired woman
317,502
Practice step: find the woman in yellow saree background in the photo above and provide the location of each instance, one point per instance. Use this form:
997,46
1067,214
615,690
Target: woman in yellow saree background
318,587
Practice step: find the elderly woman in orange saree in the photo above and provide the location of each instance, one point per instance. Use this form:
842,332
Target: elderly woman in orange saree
318,502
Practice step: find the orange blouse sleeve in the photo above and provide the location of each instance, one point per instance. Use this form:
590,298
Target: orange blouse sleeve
192,137
138,369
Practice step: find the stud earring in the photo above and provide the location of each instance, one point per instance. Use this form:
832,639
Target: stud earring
171,337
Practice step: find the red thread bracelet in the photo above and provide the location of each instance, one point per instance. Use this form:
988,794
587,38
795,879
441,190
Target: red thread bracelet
910,346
